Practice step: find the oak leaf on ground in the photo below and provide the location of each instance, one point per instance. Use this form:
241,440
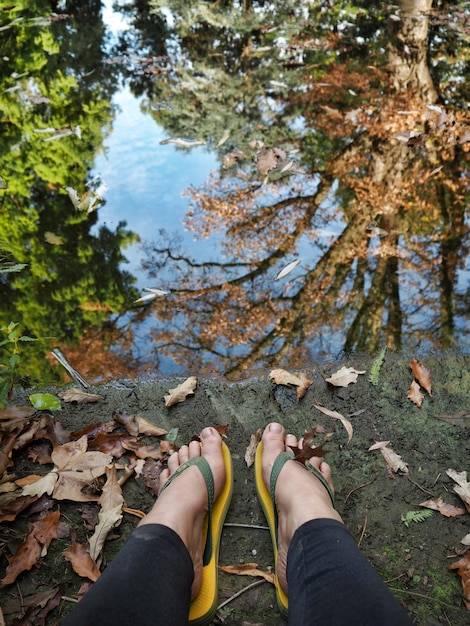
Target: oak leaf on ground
110,515
414,394
344,376
463,486
448,510
392,459
181,392
34,546
463,570
422,375
346,423
75,394
283,377
81,561
248,569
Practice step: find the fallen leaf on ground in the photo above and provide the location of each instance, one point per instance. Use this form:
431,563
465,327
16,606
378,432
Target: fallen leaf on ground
248,569
461,418
283,377
77,469
393,460
34,546
415,395
181,392
463,486
344,376
149,429
346,423
81,561
309,449
77,395
466,540
45,484
448,510
422,375
110,515
251,449
463,570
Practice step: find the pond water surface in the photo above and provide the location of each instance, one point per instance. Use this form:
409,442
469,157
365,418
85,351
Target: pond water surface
291,179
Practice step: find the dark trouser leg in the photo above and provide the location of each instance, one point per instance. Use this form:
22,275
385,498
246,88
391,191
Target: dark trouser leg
148,583
332,583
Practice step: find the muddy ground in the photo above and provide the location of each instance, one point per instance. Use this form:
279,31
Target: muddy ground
413,560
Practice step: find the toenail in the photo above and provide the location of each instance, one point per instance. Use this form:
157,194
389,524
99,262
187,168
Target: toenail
274,427
206,432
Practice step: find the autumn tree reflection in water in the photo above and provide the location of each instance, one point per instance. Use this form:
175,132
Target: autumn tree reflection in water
378,217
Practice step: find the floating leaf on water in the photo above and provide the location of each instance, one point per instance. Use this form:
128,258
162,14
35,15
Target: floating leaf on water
183,143
287,269
53,239
223,139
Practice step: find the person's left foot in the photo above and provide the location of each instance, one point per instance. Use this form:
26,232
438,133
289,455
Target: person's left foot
183,505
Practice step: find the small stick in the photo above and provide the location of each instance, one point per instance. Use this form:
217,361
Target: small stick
357,488
364,526
430,493
247,526
77,377
239,593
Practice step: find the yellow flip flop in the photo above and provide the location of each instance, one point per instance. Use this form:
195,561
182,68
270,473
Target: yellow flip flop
266,498
204,606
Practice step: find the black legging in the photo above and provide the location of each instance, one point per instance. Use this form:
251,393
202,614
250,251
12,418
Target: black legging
330,582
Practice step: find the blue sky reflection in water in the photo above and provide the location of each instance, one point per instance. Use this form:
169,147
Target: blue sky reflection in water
329,138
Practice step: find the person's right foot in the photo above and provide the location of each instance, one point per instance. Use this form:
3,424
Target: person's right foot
300,496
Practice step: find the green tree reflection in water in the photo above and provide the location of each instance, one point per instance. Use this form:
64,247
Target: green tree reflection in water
53,76
369,105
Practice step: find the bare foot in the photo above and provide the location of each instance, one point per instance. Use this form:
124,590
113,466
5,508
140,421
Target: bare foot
293,485
183,505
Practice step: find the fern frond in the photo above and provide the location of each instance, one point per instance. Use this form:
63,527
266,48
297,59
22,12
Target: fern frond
376,365
416,516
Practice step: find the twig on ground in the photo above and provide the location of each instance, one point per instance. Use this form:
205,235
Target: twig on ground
247,526
242,591
364,526
422,488
357,488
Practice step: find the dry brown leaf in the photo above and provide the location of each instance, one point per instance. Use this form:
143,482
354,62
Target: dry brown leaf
252,446
463,486
461,418
466,540
75,394
393,460
45,484
283,377
81,561
346,423
110,515
422,375
147,428
414,394
344,376
34,546
448,510
463,570
248,569
77,469
181,392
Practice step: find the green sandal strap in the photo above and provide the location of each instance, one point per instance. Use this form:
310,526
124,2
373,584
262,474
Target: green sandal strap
322,479
205,469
